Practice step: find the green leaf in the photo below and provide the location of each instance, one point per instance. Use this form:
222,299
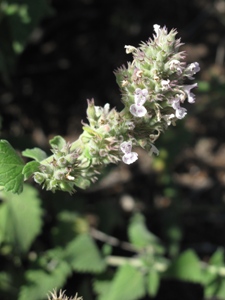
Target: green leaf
20,219
35,153
141,237
57,142
30,168
217,259
18,20
186,267
40,283
153,283
128,284
83,255
11,166
214,284
102,287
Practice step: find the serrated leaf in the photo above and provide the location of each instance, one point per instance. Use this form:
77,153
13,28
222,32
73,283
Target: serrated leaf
214,283
57,142
128,284
83,255
40,283
153,283
20,218
101,288
35,153
30,168
217,259
186,267
11,166
140,236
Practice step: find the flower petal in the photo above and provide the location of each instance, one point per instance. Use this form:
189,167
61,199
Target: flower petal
126,147
129,158
138,110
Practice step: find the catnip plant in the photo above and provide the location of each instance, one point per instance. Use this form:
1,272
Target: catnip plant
154,87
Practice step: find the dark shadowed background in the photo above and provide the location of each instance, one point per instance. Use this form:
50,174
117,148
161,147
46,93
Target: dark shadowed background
69,58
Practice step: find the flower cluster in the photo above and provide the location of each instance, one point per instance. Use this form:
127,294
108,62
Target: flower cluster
154,87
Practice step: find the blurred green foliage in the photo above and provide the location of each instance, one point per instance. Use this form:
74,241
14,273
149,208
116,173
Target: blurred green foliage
18,19
46,239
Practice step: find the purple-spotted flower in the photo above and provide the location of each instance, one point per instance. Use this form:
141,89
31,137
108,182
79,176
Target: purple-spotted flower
175,65
140,97
165,84
192,69
128,157
180,112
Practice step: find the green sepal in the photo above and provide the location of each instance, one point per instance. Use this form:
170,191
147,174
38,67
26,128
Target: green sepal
30,168
35,153
57,142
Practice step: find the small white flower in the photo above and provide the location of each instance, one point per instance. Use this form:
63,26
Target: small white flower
140,96
154,150
169,119
165,84
180,112
175,65
128,157
129,49
187,90
192,69
130,125
126,147
138,110
156,29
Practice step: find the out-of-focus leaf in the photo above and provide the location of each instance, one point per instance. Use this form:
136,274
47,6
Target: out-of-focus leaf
20,219
82,183
102,287
153,282
128,284
83,255
11,166
17,21
40,283
217,259
186,267
214,284
141,237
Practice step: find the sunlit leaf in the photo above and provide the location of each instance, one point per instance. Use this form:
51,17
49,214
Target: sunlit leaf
30,168
35,153
11,166
57,142
20,219
128,284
